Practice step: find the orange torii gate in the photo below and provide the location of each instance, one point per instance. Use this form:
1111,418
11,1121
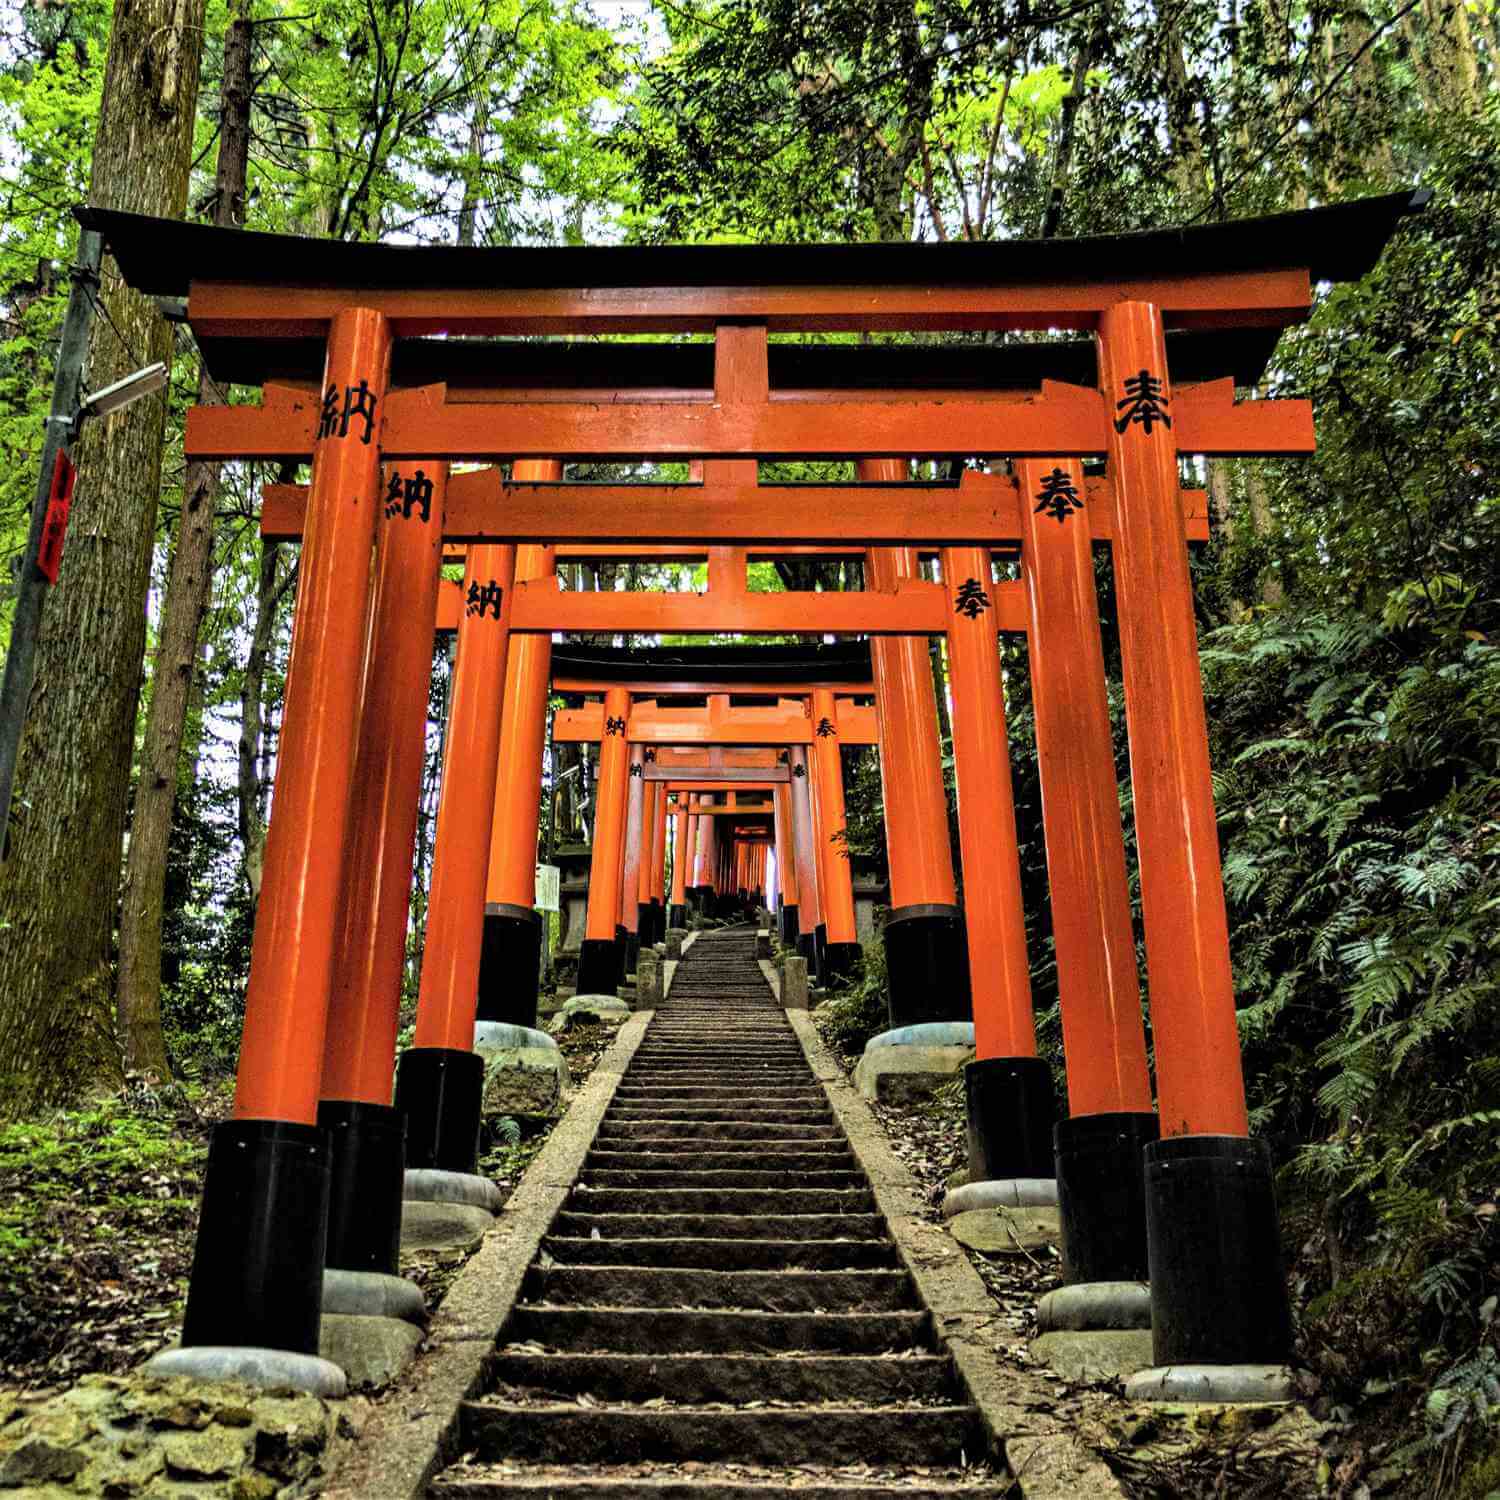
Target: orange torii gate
344,326
802,716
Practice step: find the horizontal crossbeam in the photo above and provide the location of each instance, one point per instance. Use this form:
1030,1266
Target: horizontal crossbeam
1066,420
1269,299
720,779
695,726
982,509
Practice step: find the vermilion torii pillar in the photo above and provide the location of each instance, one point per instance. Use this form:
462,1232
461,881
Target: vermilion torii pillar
514,931
842,953
924,944
601,958
367,1135
809,900
633,859
1100,1180
440,1078
1204,1157
1007,1088
258,1269
786,867
681,855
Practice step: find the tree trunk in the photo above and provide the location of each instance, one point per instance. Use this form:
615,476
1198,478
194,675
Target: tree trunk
60,888
138,996
268,595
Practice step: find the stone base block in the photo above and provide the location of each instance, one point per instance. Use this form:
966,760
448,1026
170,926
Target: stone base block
1096,1357
1094,1306
271,1369
429,1185
590,1010
372,1294
1236,1384
901,1074
371,1351
763,943
524,1073
794,988
1007,1231
443,1226
1001,1192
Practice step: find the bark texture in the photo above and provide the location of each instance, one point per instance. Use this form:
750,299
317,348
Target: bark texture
60,887
138,994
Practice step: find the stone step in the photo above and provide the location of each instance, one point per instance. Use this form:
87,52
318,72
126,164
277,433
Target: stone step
717,1160
706,1482
672,1109
744,1202
678,1177
681,1150
715,1130
574,1434
693,1379
628,1330
578,1221
764,1291
725,1255
687,1093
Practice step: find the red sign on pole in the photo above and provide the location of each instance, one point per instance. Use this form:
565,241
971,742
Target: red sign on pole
55,527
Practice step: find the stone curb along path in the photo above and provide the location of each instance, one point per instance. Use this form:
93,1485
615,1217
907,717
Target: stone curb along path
741,1286
1015,1405
410,1435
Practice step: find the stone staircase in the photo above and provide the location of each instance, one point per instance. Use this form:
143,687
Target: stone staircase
718,1312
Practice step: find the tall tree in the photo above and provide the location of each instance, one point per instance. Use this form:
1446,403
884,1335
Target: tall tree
59,889
138,998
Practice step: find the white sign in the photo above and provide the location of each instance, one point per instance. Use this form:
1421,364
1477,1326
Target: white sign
548,888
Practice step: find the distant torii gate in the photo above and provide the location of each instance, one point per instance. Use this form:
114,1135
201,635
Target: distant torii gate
344,325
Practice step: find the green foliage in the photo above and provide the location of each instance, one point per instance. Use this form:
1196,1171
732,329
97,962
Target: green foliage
860,1010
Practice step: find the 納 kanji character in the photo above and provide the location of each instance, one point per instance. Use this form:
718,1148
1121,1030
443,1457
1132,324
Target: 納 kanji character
404,495
614,726
483,596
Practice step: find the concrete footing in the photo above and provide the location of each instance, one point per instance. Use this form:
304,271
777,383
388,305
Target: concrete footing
371,1351
372,1294
1227,1383
1003,1192
1095,1305
909,1062
428,1185
268,1368
1094,1357
589,1010
503,1036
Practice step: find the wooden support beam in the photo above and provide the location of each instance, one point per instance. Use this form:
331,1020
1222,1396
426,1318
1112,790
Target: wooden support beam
1211,299
696,726
720,778
981,509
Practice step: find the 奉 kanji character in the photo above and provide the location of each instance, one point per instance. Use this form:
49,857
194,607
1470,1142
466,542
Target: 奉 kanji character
971,599
1058,497
1143,403
825,728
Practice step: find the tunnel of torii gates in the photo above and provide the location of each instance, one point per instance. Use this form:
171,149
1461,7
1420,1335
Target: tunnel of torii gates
342,339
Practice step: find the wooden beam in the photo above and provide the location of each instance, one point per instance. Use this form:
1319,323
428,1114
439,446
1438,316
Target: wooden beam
696,726
721,778
981,509
1267,299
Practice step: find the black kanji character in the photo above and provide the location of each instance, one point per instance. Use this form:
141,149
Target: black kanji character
328,420
1143,403
825,728
614,726
799,770
1058,497
482,597
359,401
971,599
636,770
651,755
404,495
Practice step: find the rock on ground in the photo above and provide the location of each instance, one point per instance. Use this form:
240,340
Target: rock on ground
135,1435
